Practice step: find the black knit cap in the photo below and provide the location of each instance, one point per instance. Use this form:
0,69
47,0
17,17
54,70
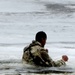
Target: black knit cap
40,35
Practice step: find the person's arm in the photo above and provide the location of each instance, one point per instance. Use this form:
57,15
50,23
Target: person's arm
50,62
61,62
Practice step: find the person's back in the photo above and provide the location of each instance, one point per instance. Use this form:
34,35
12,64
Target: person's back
37,55
34,54
30,52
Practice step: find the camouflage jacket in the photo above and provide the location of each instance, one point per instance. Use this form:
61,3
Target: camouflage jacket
37,55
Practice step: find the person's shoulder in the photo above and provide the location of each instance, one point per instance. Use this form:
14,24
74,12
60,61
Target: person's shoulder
25,48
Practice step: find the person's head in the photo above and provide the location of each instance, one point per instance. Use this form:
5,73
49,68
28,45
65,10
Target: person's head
41,37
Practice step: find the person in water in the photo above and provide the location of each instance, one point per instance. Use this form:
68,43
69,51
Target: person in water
36,54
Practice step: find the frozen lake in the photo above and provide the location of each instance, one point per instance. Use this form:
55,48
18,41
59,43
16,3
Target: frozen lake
20,20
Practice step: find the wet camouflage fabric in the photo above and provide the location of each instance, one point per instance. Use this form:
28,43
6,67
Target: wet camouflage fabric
37,55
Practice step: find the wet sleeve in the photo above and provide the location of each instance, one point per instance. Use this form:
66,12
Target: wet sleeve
49,60
59,63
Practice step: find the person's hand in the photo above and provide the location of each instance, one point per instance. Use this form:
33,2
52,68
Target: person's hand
65,58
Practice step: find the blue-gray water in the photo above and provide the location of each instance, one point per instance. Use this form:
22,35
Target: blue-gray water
21,20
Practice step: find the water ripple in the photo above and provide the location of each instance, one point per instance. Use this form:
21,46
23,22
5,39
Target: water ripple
61,8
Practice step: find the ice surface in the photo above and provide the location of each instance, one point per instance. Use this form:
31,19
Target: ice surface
20,20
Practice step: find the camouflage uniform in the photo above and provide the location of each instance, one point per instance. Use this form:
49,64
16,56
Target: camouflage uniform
36,54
